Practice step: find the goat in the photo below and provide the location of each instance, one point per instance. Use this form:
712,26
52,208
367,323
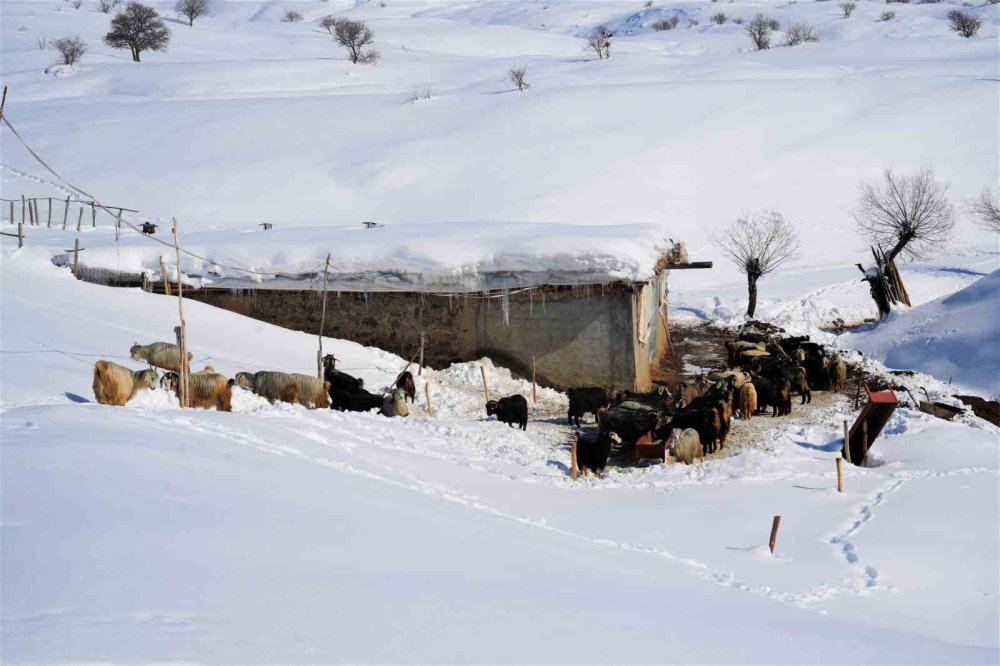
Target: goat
165,355
205,389
405,382
313,391
394,404
748,400
687,446
586,399
354,400
115,384
274,386
592,454
512,410
339,381
838,374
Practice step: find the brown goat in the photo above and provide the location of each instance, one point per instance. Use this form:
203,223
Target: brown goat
115,384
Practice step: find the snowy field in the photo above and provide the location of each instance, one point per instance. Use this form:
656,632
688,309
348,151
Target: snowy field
279,535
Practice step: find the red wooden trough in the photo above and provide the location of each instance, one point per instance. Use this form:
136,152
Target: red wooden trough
868,426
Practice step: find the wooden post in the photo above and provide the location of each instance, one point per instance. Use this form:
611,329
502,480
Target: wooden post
322,321
774,533
65,213
76,259
427,395
49,221
31,212
20,234
847,442
118,225
486,389
182,329
79,219
93,215
534,388
840,474
22,208
864,443
12,211
420,368
572,462
163,274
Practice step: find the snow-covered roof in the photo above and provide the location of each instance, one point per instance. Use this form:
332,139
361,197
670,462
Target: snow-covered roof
454,257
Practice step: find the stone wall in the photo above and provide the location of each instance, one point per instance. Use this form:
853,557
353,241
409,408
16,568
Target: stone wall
578,335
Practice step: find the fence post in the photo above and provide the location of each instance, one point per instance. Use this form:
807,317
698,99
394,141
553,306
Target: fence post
79,218
12,211
20,234
427,394
22,208
31,212
774,533
49,221
572,463
118,225
93,215
420,368
163,274
65,213
486,389
322,320
76,259
181,330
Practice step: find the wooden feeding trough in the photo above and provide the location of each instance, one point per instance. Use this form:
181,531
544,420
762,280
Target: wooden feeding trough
868,426
647,448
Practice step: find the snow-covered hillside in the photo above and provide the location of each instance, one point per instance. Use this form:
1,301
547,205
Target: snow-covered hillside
956,337
277,534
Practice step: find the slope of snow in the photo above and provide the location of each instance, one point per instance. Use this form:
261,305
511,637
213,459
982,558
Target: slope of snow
956,337
147,533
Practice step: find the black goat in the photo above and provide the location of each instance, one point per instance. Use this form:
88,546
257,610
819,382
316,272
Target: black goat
339,381
512,410
354,400
405,382
593,454
586,399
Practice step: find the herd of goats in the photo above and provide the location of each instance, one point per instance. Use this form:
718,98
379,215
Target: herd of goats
686,424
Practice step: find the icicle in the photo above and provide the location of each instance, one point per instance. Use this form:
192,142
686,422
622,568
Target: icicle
505,307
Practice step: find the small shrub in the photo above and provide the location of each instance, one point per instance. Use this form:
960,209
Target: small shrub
600,41
648,3
964,24
887,16
660,25
848,8
71,49
516,75
738,21
76,4
799,33
355,36
719,18
291,16
898,2
759,30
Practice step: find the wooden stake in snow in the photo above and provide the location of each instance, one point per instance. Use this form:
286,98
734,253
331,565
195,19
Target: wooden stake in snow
322,320
49,221
118,225
486,389
65,213
31,212
79,219
534,388
420,367
572,464
12,212
20,235
76,259
93,215
22,207
774,533
427,395
163,274
840,474
185,369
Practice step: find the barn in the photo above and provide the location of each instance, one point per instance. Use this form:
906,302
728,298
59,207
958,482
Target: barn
584,305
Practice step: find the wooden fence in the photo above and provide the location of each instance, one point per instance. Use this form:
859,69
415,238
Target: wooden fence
52,210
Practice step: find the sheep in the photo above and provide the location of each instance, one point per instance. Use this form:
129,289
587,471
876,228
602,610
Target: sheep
405,382
115,384
748,400
274,386
205,390
705,421
313,391
838,374
687,446
586,399
163,355
394,404
592,454
512,410
354,400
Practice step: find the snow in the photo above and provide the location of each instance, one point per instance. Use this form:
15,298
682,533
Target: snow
955,337
275,533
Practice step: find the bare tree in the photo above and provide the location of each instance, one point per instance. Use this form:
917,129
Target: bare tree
759,30
138,28
910,214
192,9
106,5
72,49
600,41
327,23
848,8
291,16
986,211
355,36
758,245
964,24
798,33
516,75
